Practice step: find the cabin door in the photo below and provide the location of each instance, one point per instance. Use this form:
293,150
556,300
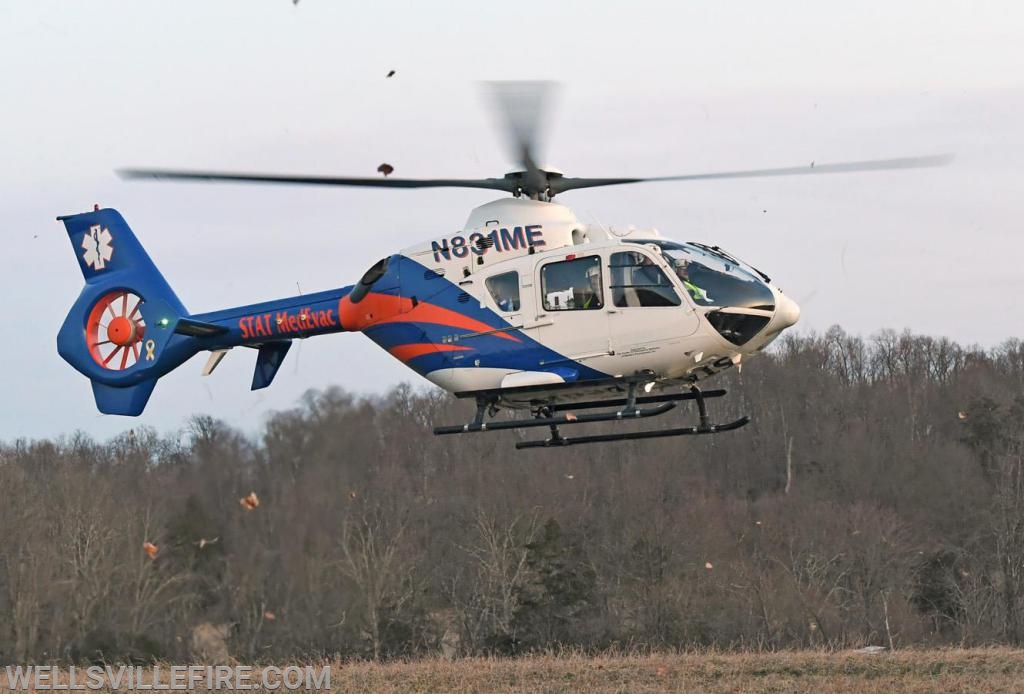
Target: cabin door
569,315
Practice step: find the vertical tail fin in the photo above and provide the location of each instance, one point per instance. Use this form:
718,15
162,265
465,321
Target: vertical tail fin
120,331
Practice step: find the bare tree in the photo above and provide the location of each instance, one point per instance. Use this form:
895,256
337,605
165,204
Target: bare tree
371,559
499,551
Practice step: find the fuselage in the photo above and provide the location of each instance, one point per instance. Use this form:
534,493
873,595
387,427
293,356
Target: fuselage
525,305
526,296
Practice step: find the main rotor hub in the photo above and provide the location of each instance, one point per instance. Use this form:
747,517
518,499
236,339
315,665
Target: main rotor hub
535,184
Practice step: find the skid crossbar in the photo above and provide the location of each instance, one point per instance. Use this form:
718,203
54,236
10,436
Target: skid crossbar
555,421
633,435
633,406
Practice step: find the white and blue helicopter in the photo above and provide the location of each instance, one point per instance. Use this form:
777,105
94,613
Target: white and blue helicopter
527,308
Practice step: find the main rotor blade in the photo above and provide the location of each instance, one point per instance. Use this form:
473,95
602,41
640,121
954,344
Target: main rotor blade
560,185
490,183
522,109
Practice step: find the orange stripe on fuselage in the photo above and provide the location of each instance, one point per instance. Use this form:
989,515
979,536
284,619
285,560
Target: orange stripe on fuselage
407,353
373,309
376,309
429,313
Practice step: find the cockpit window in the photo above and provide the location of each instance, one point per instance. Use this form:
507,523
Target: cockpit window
637,281
715,279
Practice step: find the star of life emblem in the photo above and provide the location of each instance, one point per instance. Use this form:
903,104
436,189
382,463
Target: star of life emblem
98,249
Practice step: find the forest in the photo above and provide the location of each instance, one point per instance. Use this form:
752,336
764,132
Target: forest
877,498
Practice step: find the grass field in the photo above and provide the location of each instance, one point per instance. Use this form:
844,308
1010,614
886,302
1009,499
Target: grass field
974,670
983,669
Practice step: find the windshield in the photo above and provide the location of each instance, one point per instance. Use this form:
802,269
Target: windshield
713,278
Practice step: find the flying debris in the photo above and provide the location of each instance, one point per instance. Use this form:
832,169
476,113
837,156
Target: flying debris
250,501
151,549
385,169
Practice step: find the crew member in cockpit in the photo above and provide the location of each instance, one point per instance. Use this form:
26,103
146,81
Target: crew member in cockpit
698,294
589,295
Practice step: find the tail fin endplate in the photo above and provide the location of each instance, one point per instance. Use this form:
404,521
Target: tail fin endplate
120,332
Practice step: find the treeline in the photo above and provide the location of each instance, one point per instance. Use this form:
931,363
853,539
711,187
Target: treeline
877,498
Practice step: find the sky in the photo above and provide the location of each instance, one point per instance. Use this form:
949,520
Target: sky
647,89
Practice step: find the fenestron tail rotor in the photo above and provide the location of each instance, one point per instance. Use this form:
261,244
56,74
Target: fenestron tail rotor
522,107
115,329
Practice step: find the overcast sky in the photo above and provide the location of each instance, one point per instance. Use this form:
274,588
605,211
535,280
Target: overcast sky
649,88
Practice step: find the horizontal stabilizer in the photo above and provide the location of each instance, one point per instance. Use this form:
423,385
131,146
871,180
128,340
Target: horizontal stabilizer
130,401
215,358
195,328
268,362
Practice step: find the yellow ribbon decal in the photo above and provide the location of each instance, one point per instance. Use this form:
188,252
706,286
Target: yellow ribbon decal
150,350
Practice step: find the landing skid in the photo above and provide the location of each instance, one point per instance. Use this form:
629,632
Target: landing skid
632,407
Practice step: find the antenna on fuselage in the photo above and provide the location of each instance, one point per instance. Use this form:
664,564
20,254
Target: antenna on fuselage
598,222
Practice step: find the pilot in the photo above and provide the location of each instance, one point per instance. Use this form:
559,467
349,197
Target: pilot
588,296
698,294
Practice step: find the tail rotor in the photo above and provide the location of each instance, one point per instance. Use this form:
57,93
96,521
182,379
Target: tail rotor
120,332
115,330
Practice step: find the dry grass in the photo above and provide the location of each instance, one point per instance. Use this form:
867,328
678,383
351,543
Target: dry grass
974,670
989,670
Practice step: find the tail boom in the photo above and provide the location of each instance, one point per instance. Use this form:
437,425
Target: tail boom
127,328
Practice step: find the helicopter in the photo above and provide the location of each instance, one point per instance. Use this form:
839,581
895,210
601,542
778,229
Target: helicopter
526,308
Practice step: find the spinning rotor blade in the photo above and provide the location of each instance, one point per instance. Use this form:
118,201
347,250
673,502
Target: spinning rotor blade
522,107
560,185
506,185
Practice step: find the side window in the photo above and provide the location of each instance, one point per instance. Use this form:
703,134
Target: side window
504,289
637,281
572,285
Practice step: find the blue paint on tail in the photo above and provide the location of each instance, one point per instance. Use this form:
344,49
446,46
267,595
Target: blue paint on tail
112,260
160,334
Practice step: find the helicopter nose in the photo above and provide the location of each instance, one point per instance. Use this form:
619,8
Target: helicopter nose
787,313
